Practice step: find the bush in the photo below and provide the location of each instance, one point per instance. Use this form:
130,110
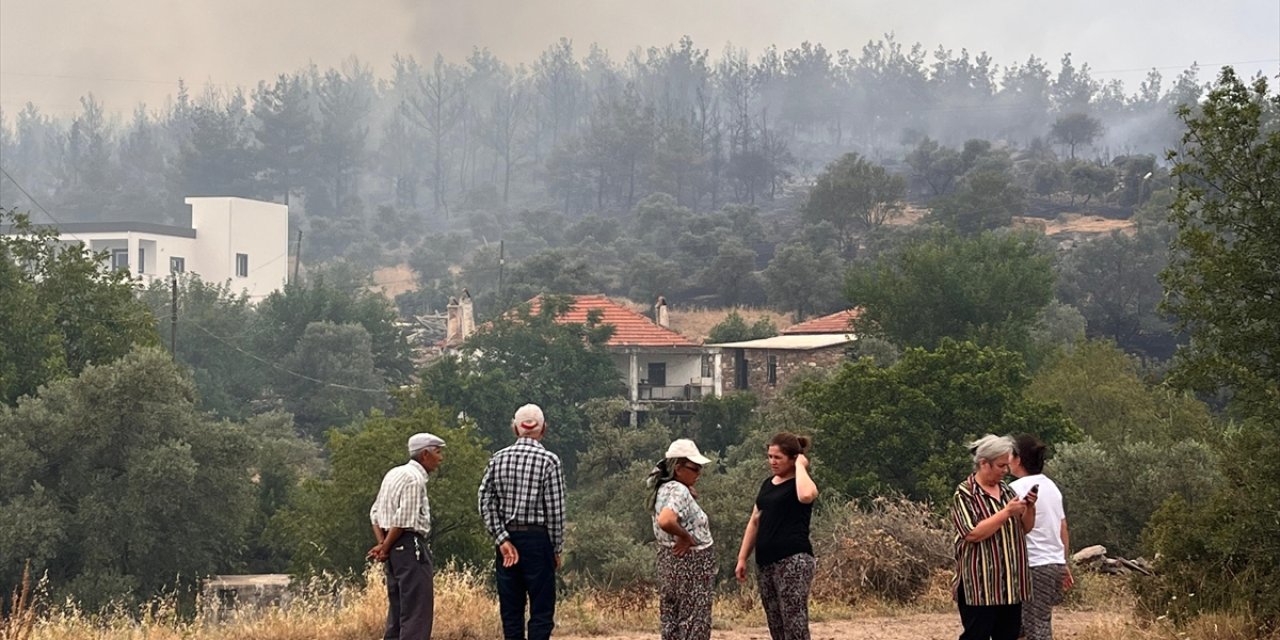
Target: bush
1112,491
888,550
1222,554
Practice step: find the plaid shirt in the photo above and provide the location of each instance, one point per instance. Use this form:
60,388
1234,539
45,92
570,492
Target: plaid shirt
402,500
523,484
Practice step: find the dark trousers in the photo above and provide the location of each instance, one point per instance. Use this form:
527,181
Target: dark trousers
991,622
532,579
410,592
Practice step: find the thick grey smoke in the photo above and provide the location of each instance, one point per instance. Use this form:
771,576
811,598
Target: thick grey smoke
126,51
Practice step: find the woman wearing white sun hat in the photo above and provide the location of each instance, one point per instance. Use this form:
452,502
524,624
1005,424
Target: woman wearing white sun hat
686,559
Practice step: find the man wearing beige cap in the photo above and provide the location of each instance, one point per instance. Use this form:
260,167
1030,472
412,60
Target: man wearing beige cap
522,502
401,519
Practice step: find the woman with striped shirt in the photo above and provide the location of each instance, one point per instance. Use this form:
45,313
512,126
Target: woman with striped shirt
991,522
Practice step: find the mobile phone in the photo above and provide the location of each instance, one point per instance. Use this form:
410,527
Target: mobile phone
1035,490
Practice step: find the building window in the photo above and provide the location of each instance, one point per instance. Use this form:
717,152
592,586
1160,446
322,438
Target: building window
773,369
658,374
177,265
708,361
242,265
119,259
142,260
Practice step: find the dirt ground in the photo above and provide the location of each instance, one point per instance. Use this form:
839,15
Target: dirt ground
924,626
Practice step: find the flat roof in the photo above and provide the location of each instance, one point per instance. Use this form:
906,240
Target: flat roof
125,227
802,342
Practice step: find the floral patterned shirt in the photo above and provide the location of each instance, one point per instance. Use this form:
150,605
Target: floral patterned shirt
675,496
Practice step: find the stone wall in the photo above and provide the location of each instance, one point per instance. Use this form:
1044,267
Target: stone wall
789,363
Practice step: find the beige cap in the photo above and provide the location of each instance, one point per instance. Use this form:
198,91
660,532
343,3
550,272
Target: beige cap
685,448
528,418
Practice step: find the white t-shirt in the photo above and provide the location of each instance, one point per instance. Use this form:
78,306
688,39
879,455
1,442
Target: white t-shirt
1044,543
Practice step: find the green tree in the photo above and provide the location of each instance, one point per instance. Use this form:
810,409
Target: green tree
213,324
117,486
987,288
523,357
904,428
1075,129
734,328
1100,388
1221,277
936,165
802,281
67,311
986,199
327,527
854,195
337,296
1114,281
1090,180
340,383
1113,490
731,274
1221,282
1222,545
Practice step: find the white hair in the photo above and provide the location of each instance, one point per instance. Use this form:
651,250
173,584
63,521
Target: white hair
990,447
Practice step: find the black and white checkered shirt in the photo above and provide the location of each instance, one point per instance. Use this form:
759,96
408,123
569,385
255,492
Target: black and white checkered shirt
524,485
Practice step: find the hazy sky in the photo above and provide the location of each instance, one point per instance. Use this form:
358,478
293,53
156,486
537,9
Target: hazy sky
126,51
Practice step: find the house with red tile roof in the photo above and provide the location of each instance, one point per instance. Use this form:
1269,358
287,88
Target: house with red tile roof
662,369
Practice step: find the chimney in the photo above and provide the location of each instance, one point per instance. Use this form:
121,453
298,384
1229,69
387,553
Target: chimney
467,320
660,314
453,323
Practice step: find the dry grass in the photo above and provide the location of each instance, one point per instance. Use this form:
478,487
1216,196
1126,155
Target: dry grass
696,323
393,281
330,610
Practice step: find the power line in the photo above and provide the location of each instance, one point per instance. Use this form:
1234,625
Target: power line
277,367
37,203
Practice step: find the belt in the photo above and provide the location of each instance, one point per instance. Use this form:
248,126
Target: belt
526,527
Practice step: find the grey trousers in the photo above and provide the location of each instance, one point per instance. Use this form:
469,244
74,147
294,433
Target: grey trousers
410,592
1046,592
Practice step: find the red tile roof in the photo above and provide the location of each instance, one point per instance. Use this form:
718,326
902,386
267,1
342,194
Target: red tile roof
837,322
630,329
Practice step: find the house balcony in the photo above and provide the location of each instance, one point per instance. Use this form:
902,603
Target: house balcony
691,392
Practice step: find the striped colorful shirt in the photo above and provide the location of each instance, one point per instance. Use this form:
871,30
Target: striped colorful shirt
402,500
992,571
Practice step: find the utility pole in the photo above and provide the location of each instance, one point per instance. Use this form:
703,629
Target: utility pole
297,258
502,263
173,316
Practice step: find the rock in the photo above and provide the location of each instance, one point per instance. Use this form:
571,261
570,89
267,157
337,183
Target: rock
1089,555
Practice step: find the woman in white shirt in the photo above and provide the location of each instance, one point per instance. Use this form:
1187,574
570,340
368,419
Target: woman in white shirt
686,559
1048,543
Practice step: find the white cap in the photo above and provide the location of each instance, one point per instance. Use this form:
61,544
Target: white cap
685,448
420,441
528,419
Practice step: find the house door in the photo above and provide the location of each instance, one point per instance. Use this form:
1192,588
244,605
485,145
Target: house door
658,374
740,369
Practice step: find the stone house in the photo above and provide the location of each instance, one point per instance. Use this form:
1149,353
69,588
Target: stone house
766,365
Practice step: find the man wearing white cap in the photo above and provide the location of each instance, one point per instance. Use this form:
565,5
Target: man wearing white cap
401,519
522,502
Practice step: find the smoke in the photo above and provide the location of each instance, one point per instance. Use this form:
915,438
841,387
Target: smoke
126,51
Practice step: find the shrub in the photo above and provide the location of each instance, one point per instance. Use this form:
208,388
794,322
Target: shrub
1112,491
1222,554
888,550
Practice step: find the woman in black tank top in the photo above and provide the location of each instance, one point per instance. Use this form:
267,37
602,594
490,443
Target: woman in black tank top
778,533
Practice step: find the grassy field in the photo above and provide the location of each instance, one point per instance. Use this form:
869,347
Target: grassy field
466,610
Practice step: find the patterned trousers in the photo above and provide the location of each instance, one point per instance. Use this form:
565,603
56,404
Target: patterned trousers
784,591
1046,591
685,589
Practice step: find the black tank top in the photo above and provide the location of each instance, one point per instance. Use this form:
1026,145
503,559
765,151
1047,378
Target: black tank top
784,523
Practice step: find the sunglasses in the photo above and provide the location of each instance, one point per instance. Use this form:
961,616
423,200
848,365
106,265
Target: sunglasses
696,468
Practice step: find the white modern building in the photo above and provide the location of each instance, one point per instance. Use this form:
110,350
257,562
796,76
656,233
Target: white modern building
234,240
